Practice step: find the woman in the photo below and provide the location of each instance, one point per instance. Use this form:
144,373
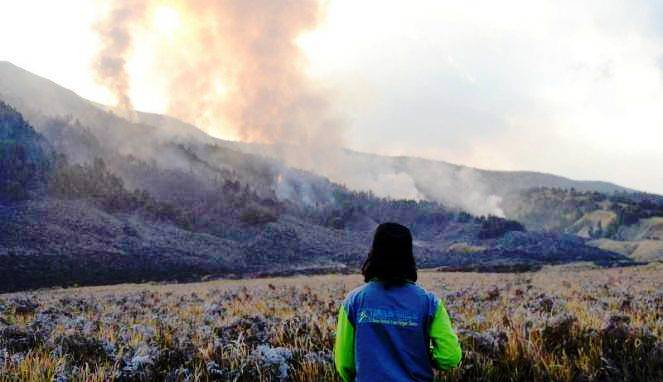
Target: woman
391,329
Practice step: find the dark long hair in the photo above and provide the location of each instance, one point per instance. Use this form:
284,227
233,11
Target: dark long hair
391,259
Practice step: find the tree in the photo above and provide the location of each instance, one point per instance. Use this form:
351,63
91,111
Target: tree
25,159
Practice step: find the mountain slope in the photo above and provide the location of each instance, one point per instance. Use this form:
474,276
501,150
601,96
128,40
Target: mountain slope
626,223
477,191
224,214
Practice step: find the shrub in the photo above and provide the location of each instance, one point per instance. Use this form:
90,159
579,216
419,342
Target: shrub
494,227
257,215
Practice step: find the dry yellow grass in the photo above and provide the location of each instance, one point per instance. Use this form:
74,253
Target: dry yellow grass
561,323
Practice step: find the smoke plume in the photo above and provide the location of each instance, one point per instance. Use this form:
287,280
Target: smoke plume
232,68
109,66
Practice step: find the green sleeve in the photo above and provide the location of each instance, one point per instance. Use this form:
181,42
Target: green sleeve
344,348
445,351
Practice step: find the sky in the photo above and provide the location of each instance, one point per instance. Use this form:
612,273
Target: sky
573,88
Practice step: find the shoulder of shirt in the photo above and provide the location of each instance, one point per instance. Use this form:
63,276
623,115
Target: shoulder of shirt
354,293
428,294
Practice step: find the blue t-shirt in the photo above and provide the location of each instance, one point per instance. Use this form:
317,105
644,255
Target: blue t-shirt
391,331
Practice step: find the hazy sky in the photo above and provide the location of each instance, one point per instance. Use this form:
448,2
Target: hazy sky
569,87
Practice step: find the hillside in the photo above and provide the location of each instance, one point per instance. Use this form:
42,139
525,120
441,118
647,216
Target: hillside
222,213
474,190
588,214
626,223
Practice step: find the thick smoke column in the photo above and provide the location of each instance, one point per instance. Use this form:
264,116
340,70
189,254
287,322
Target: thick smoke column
116,41
232,67
243,70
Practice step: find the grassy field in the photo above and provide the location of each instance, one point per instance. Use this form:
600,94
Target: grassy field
556,324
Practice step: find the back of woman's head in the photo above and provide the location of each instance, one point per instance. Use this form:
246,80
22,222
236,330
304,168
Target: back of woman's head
391,259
